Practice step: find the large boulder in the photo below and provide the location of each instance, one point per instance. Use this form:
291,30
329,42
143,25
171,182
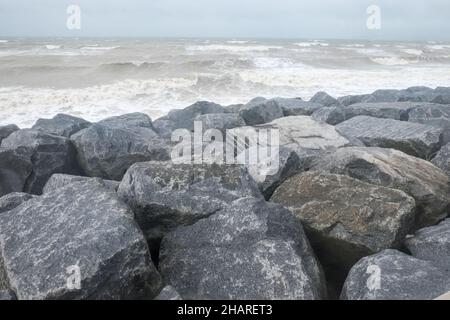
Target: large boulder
387,110
48,154
346,219
393,275
5,131
330,115
61,125
136,119
58,181
260,110
296,107
250,250
432,244
15,168
165,196
7,295
325,99
415,139
13,200
441,95
431,114
442,159
168,293
427,184
80,242
353,99
108,148
220,121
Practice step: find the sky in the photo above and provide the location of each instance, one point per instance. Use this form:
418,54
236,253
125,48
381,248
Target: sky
407,20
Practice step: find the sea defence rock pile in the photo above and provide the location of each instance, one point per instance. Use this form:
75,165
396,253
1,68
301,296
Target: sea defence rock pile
357,208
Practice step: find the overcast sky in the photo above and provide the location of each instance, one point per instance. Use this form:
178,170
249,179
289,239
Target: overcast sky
324,19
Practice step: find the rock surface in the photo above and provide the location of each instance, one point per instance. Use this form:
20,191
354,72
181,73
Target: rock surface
165,196
220,121
135,119
325,99
61,125
7,295
13,200
48,154
80,232
346,219
5,131
330,115
427,184
15,167
386,110
168,293
431,114
58,181
250,250
392,275
259,111
442,159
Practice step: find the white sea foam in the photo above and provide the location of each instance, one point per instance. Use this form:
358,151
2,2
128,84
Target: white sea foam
390,61
52,46
4,41
228,48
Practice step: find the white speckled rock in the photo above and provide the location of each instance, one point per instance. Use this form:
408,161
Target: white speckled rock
220,121
401,277
58,181
83,227
165,196
386,110
7,295
168,293
13,200
61,125
427,184
249,250
442,159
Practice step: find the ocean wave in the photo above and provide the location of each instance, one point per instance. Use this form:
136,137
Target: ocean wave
415,52
390,61
307,44
237,48
237,41
4,41
130,66
53,47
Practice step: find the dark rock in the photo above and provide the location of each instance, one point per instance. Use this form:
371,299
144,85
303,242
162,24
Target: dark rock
415,139
58,181
432,244
7,295
250,250
392,275
165,196
220,121
325,99
5,131
442,159
349,100
260,111
13,200
393,110
80,230
431,114
346,219
136,119
48,153
296,107
168,293
441,95
330,115
61,125
427,184
164,127
15,167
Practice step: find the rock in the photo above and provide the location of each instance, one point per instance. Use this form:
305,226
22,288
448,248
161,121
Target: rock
80,232
15,167
220,121
250,250
13,200
431,114
165,196
184,119
234,108
330,115
385,95
441,95
392,275
61,125
349,100
325,99
7,295
432,244
261,111
48,154
168,293
164,127
58,181
427,184
412,138
5,131
442,159
393,110
136,119
416,94
346,219
296,107
107,149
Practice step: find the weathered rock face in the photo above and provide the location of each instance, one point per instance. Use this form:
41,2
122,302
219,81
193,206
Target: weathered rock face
15,167
48,154
249,250
427,184
442,159
164,127
345,218
325,99
330,115
259,111
7,295
136,119
441,95
58,181
432,244
297,107
165,196
107,149
61,125
168,293
353,99
386,110
5,131
415,139
392,275
431,114
184,119
80,230
220,121
13,200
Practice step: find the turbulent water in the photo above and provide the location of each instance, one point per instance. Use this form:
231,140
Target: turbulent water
96,78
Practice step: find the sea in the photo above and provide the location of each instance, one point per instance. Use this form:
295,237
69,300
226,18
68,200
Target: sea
97,78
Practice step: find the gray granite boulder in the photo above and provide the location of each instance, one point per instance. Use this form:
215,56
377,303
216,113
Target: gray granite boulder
442,159
15,168
13,200
7,295
61,125
390,110
80,242
5,131
168,293
346,219
48,154
441,95
259,111
136,119
393,275
330,115
325,99
249,250
58,181
415,139
432,244
353,99
427,184
165,196
431,114
220,121
164,127
296,106
107,149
